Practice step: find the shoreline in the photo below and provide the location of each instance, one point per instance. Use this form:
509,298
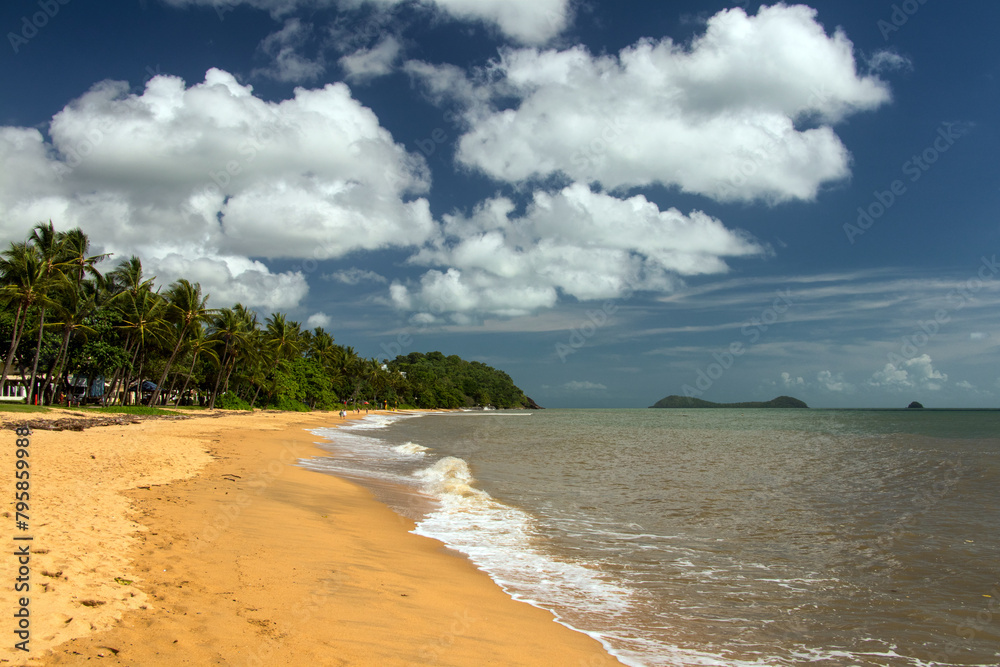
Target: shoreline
232,554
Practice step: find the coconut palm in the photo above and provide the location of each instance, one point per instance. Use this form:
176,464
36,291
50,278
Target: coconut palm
71,307
284,338
186,307
128,277
144,321
76,263
48,243
320,347
199,344
231,327
126,285
25,284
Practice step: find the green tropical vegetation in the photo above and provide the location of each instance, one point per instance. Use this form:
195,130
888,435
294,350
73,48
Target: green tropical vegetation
691,402
118,339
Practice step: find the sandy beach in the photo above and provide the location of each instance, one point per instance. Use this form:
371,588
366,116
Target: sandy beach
199,542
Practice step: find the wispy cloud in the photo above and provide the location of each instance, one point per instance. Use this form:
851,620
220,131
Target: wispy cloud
584,386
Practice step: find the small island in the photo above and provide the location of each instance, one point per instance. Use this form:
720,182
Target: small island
689,402
915,406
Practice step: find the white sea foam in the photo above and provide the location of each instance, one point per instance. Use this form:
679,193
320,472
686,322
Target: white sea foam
504,541
410,448
370,422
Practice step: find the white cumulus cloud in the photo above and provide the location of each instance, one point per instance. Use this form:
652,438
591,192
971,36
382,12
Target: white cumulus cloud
575,242
202,181
743,113
790,382
918,372
319,319
525,21
833,382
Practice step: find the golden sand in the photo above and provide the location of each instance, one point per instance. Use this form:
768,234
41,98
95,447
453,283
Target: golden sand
199,542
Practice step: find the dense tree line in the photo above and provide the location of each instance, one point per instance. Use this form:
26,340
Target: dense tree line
452,382
63,319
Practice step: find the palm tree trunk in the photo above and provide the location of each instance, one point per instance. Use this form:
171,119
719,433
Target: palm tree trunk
194,358
170,390
121,371
232,367
222,368
15,339
57,365
166,369
128,376
38,352
255,395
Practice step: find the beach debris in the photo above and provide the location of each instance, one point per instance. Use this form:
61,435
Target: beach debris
123,582
92,603
85,422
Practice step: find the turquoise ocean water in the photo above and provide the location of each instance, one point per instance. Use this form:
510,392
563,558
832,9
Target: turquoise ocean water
715,537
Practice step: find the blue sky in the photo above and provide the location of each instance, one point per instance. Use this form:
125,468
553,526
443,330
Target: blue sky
612,201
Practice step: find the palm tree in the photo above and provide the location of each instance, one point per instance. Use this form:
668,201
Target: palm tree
73,306
128,277
24,283
143,319
48,243
199,344
75,246
284,338
320,347
373,374
256,361
126,285
187,308
232,327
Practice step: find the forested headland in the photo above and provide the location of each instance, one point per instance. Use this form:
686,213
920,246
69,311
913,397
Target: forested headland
70,330
675,401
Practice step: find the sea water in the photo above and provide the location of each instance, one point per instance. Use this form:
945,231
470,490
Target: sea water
715,537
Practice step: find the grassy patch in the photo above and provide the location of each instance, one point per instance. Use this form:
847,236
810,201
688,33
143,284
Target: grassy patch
130,410
18,407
